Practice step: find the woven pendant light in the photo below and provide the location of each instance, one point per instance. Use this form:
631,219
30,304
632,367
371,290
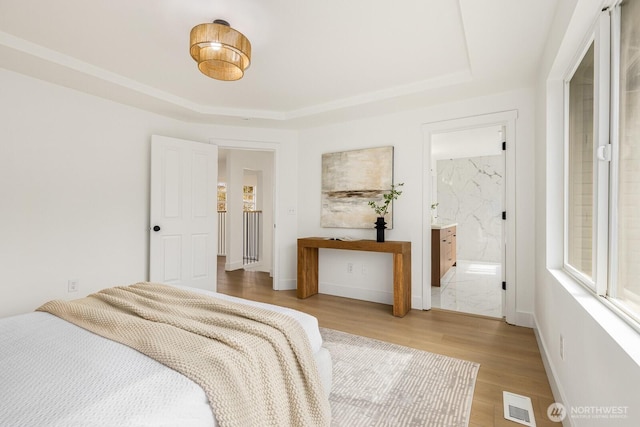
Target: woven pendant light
221,52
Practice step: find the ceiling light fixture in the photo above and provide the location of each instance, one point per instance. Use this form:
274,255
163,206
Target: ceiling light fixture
221,52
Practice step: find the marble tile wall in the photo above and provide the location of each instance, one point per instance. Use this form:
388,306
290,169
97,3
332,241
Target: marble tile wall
471,194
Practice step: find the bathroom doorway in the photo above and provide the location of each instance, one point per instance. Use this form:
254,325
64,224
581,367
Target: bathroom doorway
467,201
465,206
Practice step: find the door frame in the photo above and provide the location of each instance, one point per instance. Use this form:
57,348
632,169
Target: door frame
256,145
508,120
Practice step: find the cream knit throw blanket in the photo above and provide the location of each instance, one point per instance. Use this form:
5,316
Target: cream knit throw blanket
255,366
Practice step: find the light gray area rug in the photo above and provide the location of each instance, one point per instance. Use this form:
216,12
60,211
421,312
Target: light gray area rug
376,383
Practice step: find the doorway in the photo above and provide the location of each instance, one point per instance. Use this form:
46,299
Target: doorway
467,201
438,146
245,209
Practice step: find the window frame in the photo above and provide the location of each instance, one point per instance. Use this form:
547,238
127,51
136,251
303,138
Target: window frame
615,163
599,36
621,309
605,35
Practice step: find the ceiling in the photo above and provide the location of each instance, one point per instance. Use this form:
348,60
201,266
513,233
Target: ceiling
312,61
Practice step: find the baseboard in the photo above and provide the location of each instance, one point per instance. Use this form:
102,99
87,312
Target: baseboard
258,266
355,293
232,266
287,285
525,319
349,292
556,387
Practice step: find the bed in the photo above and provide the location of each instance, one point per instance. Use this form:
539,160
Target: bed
54,373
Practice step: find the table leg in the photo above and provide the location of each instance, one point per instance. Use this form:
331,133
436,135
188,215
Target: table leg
401,284
307,272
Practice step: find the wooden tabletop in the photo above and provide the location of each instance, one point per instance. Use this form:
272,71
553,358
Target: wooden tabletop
388,246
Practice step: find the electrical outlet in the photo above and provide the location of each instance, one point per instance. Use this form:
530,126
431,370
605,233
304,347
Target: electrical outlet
73,285
561,347
349,267
364,269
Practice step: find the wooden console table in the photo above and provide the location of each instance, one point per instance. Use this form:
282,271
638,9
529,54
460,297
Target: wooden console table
308,266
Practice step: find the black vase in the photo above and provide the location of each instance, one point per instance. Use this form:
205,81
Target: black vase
380,226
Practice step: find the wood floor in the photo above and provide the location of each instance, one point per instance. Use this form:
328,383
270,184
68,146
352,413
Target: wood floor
508,355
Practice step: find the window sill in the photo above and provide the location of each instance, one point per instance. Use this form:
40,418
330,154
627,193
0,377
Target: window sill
609,317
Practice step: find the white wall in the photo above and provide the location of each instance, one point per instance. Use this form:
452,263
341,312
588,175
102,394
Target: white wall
74,184
601,366
404,131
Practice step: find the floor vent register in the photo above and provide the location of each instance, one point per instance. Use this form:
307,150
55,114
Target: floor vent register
518,409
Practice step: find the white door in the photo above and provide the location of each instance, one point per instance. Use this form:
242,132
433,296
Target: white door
183,230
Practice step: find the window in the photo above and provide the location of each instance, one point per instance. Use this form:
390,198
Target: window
580,171
249,198
602,162
625,289
222,197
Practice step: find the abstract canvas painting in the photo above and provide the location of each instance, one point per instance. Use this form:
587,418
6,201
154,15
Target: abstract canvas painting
350,179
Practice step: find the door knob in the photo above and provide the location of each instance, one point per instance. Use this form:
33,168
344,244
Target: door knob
156,228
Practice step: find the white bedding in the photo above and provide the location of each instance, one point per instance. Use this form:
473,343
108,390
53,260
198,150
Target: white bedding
76,378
